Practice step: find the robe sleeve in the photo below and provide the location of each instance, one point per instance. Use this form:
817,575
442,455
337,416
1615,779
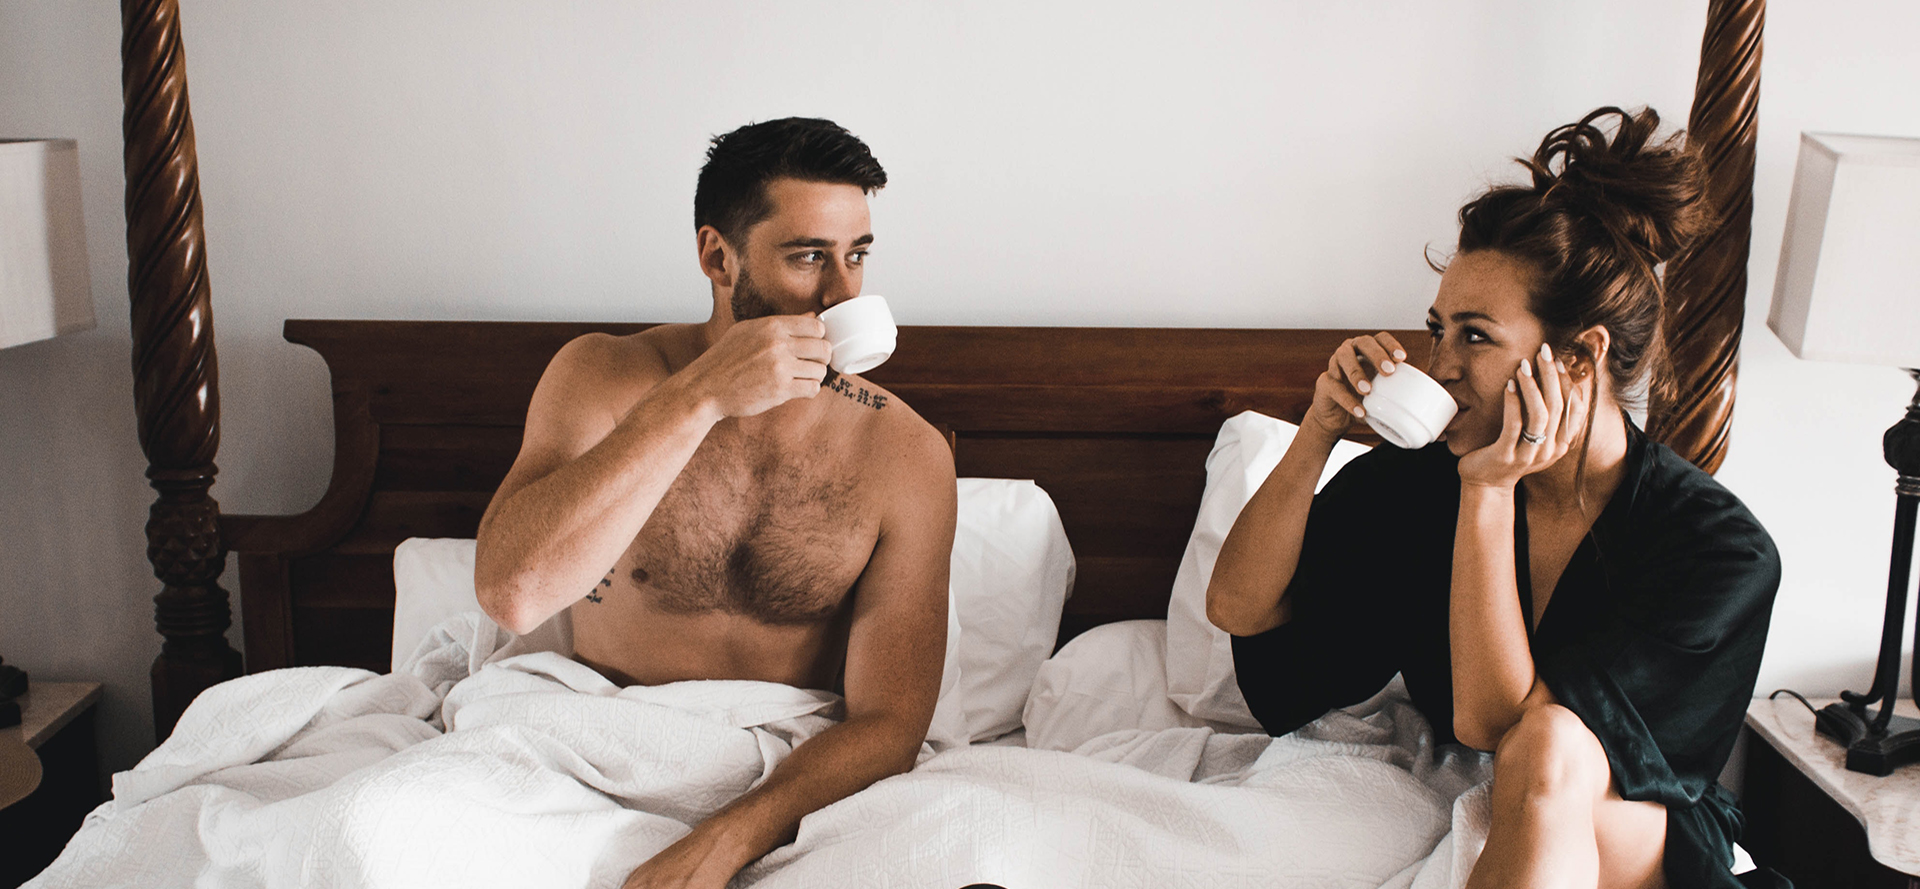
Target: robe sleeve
1336,650
1665,681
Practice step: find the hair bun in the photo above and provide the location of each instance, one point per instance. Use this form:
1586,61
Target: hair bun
1648,194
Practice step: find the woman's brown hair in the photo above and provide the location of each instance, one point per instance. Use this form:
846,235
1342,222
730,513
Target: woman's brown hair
1597,223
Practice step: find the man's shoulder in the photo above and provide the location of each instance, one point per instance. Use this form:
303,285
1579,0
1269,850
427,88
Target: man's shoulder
596,377
617,368
891,426
908,461
646,353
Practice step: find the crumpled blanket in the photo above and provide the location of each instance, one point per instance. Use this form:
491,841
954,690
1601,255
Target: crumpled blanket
478,764
1357,799
545,775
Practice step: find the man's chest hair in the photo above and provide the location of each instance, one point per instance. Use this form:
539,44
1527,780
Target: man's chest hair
777,537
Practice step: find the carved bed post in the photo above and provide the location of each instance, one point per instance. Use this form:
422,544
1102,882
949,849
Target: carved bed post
1707,287
176,380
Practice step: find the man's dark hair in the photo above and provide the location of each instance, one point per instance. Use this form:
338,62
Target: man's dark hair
732,192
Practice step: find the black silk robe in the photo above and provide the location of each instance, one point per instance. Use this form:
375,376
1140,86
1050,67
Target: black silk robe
1653,634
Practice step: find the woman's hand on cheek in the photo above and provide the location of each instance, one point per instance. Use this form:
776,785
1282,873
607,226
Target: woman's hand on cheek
1539,414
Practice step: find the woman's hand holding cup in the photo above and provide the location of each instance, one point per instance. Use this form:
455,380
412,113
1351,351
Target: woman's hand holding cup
1338,393
1540,418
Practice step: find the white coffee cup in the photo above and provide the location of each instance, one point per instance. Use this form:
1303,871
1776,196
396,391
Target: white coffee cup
861,332
1408,408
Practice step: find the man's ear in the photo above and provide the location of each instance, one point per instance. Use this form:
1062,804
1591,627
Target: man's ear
718,261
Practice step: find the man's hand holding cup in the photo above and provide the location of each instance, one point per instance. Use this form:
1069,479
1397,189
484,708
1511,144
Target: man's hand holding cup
762,363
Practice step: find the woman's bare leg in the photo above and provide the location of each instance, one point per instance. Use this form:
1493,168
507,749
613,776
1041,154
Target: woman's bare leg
1632,837
1557,821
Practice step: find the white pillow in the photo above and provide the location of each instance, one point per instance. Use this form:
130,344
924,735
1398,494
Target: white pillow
432,581
1011,573
949,726
1200,675
1107,679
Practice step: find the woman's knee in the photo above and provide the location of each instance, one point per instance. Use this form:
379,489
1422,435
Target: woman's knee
1551,753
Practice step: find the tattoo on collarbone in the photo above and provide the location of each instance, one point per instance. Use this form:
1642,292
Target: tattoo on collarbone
606,582
857,394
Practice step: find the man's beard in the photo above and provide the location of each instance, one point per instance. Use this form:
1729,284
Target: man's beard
748,302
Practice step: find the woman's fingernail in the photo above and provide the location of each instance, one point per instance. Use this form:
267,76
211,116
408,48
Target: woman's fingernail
1509,385
1399,355
1386,367
1562,365
1360,412
1526,367
1364,387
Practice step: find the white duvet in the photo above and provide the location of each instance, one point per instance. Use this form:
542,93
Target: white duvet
480,767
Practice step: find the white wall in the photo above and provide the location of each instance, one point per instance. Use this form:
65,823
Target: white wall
1113,163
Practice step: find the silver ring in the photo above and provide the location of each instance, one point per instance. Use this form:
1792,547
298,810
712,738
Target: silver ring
1531,438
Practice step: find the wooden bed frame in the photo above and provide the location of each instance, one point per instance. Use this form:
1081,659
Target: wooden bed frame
1114,423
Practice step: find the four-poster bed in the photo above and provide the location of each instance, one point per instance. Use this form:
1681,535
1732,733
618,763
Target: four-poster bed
1118,435
423,434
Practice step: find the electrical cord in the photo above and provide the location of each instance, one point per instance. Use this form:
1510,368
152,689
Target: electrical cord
1796,696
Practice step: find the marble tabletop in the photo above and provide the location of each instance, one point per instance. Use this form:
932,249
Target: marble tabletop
47,707
1889,808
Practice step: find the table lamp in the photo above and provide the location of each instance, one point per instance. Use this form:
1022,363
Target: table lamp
44,292
1849,290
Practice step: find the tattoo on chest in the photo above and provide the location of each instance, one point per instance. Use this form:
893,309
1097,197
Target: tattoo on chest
606,582
857,394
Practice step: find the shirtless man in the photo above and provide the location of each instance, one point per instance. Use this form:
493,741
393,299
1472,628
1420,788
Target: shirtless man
708,509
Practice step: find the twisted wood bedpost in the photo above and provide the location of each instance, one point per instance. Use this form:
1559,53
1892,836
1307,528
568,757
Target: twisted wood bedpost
1707,286
176,378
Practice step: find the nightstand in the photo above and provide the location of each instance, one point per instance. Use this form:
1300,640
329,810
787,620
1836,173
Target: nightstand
56,719
1817,823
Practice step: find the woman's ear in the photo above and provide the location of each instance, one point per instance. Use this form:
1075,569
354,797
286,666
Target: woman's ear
1590,349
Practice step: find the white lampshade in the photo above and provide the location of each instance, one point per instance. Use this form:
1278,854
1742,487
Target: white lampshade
1849,281
44,291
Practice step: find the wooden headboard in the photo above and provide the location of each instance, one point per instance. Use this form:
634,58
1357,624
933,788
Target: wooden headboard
1114,423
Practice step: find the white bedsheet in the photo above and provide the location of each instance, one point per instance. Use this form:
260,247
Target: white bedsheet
550,776
1352,801
331,777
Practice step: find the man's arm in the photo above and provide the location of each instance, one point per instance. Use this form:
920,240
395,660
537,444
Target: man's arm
607,433
895,650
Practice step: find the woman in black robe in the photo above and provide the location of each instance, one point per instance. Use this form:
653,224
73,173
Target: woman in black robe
1551,585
